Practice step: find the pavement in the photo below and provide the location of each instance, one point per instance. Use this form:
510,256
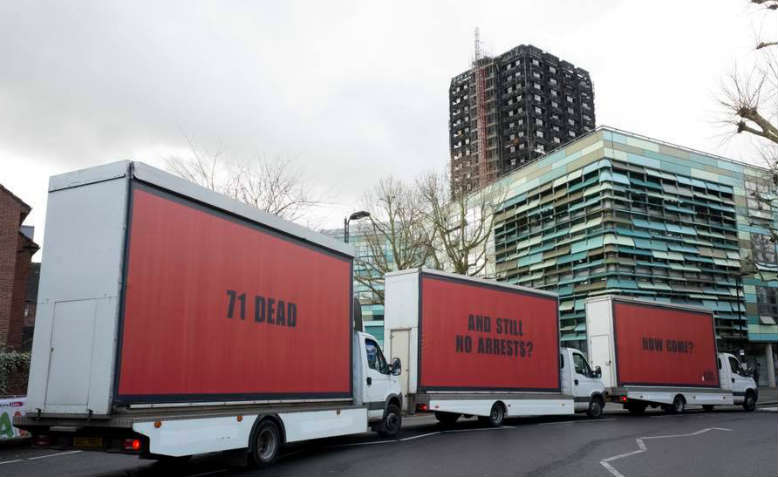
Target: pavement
724,442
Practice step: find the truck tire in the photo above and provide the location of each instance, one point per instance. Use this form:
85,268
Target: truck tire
496,415
707,407
446,419
749,403
677,407
391,423
265,443
636,408
595,408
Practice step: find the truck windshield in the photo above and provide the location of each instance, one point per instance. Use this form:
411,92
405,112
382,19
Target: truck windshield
375,359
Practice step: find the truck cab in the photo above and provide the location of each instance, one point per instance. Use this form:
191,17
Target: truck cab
582,382
734,377
377,385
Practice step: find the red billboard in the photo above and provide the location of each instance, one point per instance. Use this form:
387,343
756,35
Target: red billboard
657,345
486,337
216,306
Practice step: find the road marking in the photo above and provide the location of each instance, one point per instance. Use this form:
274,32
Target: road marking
642,447
554,423
404,439
768,409
419,436
480,429
10,461
54,455
209,473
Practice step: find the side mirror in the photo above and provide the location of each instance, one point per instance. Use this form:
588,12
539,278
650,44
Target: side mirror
597,372
396,367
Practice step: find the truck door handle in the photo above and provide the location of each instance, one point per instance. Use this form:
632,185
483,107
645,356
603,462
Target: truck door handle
369,381
576,382
733,380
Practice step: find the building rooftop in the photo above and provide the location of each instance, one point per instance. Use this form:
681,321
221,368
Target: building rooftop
13,196
604,127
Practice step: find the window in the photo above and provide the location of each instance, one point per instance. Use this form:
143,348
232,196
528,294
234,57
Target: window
551,69
536,97
375,359
581,366
535,62
763,248
554,104
735,365
767,300
539,133
754,190
536,85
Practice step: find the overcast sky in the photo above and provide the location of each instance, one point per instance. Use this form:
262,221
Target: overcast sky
352,90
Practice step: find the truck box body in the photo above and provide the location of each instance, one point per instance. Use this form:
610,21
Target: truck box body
641,343
470,343
157,291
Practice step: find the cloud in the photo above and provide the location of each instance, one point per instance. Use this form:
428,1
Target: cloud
352,89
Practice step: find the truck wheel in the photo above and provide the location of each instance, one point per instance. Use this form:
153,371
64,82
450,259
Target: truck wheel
496,415
595,408
749,403
446,419
265,443
391,423
707,407
636,409
678,406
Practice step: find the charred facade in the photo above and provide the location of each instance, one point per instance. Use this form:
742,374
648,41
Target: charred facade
523,104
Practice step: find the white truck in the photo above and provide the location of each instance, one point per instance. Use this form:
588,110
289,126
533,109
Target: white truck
662,355
174,321
482,348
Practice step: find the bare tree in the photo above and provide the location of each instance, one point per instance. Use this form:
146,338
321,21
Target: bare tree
204,168
396,237
750,100
461,223
273,185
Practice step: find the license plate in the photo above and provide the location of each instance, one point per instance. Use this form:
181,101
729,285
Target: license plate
88,442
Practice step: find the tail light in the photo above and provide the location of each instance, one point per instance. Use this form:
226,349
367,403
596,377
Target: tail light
623,399
132,445
422,407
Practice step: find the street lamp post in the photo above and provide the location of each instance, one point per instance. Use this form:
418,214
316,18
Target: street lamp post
355,216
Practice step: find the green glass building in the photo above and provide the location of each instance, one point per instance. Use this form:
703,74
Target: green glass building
617,213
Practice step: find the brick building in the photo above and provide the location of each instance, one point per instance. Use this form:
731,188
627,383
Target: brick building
16,250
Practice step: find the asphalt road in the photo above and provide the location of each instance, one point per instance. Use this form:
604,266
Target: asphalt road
721,443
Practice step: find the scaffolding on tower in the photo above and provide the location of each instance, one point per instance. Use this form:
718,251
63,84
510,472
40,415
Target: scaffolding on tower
479,73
